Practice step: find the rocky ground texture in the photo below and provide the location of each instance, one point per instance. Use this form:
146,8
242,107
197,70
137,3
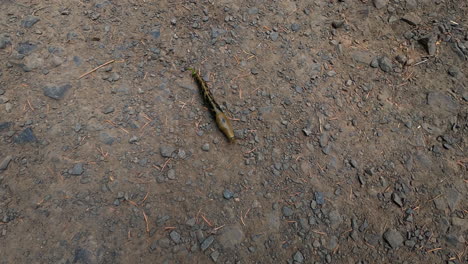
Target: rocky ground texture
351,119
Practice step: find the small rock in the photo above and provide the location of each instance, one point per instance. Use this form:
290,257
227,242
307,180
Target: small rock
5,162
207,243
441,101
295,27
175,237
113,77
5,125
338,23
379,4
227,194
106,138
298,257
374,63
77,169
166,151
32,62
385,64
4,40
287,211
274,36
252,11
133,140
354,164
393,238
397,199
108,110
215,255
412,19
26,48
307,131
29,21
206,147
319,198
171,175
362,56
454,71
26,136
56,92
429,43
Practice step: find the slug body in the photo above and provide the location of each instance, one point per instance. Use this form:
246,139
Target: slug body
221,119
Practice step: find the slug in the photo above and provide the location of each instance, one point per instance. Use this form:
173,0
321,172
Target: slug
221,119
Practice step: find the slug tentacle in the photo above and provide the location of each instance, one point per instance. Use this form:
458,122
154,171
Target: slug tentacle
221,119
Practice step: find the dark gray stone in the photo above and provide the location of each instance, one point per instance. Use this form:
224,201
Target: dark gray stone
175,237
298,257
274,36
5,125
205,147
393,238
412,19
29,21
379,4
25,48
429,43
106,138
108,110
295,27
77,169
227,194
397,199
287,211
4,40
26,136
56,92
207,243
319,198
166,151
385,64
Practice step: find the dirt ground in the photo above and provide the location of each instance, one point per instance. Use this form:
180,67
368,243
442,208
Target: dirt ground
350,116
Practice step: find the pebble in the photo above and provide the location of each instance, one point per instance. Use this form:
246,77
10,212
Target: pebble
385,64
287,211
113,77
374,63
379,4
56,92
106,138
26,136
171,175
4,40
274,36
338,23
175,237
397,199
133,140
5,162
29,21
252,11
227,194
215,255
295,27
298,257
412,19
205,147
25,48
319,198
5,125
393,238
207,243
429,43
77,169
166,151
108,110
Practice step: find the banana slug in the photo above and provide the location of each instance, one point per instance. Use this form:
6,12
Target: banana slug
221,119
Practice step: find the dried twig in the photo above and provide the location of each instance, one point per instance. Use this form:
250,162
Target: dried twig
95,69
